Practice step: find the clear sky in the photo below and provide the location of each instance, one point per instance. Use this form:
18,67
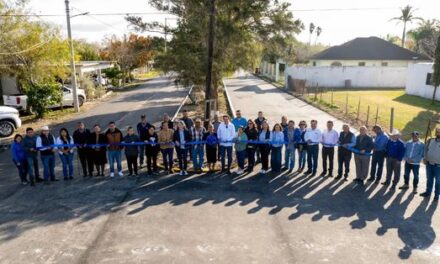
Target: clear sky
338,25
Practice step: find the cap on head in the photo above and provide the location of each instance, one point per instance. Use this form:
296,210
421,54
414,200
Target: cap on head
395,132
45,128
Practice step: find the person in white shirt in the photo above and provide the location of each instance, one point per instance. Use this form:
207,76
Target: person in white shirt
313,137
66,153
226,135
330,138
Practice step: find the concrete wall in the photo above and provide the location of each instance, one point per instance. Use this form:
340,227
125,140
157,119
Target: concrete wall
361,77
416,80
391,63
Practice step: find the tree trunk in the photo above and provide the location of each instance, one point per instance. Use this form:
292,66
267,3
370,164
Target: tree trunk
433,94
404,34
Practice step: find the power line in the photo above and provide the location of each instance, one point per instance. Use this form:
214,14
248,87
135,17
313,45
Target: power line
34,47
344,9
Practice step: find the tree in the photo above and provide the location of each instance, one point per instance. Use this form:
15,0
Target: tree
32,50
436,73
311,30
318,33
425,36
130,52
42,96
86,51
244,31
406,17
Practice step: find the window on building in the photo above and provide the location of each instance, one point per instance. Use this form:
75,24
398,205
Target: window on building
429,79
384,64
336,64
314,63
361,63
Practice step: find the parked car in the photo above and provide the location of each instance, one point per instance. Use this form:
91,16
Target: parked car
9,121
19,101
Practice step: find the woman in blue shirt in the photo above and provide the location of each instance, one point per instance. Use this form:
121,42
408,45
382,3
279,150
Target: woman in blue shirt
277,140
19,158
211,147
264,148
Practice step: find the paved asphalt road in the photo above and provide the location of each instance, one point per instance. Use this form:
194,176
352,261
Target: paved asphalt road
212,218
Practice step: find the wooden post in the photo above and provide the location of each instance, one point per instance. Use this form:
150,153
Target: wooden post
368,116
359,109
346,104
377,114
392,119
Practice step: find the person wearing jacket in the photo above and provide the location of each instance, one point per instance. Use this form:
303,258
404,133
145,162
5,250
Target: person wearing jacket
264,146
30,147
181,137
289,153
98,152
364,146
45,144
66,153
142,130
301,145
165,139
277,142
347,140
395,151
114,138
240,149
131,151
19,159
414,153
252,135
379,153
80,137
211,147
432,162
152,149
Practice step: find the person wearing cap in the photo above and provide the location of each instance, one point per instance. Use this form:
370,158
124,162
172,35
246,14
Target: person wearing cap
45,144
395,152
181,137
414,153
226,135
142,130
198,150
114,137
240,149
313,137
379,152
346,141
364,145
330,138
239,121
432,161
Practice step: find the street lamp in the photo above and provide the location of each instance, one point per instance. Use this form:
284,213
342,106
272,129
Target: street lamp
72,55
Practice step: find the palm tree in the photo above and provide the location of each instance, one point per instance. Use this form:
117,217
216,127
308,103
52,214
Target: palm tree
425,36
318,33
406,17
311,29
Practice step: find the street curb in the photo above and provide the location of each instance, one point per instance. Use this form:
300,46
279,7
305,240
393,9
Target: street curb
182,103
228,99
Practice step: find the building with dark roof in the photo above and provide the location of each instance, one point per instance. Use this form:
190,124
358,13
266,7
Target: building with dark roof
371,51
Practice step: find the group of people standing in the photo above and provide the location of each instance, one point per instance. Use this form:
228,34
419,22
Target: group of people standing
254,141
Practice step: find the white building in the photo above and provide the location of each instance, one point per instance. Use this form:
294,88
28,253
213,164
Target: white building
371,51
418,80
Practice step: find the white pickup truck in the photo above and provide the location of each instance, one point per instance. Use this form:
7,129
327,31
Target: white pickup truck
19,101
9,121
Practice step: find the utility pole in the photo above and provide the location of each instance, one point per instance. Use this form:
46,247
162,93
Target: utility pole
72,59
208,92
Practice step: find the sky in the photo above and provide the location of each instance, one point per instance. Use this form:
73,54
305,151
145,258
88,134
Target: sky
340,20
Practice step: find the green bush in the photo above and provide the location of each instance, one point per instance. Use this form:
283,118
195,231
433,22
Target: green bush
88,86
41,96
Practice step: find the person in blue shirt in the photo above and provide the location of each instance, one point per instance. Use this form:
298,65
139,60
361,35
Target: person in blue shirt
414,153
301,144
19,158
239,121
277,140
379,152
395,150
